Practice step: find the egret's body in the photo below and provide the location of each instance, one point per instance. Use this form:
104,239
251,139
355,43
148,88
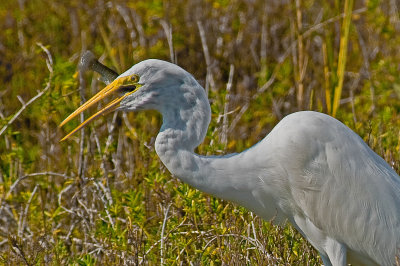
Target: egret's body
310,169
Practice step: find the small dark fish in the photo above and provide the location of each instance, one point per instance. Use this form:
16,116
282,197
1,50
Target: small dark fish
89,61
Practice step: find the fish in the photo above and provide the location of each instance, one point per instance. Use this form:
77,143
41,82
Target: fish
88,61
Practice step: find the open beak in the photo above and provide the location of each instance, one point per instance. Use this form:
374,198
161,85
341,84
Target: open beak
113,87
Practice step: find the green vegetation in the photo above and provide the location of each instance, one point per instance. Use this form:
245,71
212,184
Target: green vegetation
103,196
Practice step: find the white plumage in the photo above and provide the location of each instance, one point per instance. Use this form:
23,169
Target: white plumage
310,169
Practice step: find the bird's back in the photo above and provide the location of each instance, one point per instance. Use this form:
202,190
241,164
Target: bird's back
337,182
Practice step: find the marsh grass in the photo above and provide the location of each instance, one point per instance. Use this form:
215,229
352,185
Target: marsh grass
332,107
104,197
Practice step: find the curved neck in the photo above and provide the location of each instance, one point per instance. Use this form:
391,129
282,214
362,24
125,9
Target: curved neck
232,177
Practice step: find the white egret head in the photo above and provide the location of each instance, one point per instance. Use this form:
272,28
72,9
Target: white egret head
150,84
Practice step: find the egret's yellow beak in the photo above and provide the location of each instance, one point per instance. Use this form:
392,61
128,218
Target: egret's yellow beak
118,85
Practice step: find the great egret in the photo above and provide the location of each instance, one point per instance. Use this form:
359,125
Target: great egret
310,169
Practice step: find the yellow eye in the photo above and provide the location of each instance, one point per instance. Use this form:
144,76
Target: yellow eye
134,78
128,80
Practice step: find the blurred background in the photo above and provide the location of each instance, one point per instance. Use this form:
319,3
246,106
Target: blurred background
103,196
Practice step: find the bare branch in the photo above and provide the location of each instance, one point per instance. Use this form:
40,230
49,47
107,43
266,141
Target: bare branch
168,33
21,226
224,131
49,63
162,233
207,57
12,187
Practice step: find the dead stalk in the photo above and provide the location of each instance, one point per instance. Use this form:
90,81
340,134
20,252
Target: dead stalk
209,78
168,34
224,131
49,63
21,226
162,233
300,54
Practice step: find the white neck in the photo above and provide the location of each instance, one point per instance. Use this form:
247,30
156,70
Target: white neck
226,177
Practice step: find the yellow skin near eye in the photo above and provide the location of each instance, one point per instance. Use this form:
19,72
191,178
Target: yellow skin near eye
109,89
128,81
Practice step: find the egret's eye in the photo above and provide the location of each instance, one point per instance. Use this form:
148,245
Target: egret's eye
134,78
129,81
